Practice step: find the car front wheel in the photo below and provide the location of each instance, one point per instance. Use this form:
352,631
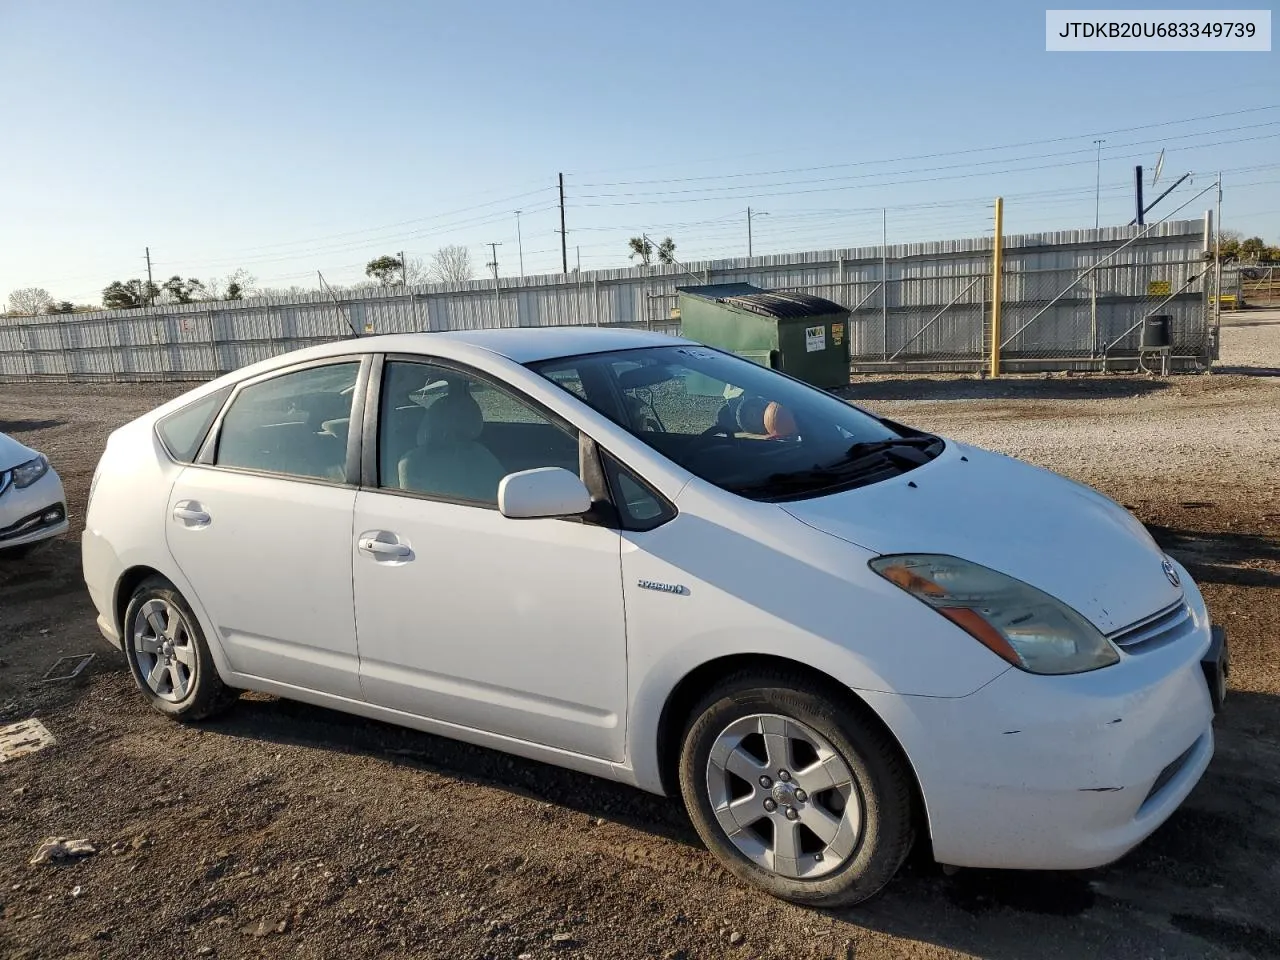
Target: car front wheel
796,789
168,656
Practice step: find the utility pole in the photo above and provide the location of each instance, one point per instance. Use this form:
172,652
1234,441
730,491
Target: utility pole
579,250
1217,265
884,278
150,285
997,291
404,269
493,247
1137,186
564,238
758,213
520,244
1097,183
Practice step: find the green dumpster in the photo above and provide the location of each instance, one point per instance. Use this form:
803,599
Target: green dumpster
802,335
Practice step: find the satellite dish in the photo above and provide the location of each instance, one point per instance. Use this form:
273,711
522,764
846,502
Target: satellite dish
1159,166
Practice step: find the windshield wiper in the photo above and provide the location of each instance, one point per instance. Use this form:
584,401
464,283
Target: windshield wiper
781,483
867,447
903,451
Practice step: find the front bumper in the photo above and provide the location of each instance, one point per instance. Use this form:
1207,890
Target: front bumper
33,513
1067,772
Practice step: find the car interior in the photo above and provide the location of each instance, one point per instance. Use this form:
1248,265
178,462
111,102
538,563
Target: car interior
304,435
456,437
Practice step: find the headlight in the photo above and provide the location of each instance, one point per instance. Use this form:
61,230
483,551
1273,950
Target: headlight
1017,622
25,474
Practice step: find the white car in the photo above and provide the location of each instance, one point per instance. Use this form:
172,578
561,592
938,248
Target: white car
643,558
33,507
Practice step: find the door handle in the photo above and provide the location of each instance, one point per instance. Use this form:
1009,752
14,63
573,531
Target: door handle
188,515
382,548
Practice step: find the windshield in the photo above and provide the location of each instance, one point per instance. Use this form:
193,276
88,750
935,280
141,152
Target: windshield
740,425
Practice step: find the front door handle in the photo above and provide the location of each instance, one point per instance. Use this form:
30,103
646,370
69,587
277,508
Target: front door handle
191,515
383,548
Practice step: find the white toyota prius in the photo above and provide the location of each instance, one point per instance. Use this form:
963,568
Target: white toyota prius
640,557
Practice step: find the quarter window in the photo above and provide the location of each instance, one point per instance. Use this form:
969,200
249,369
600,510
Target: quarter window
183,430
447,434
639,507
294,424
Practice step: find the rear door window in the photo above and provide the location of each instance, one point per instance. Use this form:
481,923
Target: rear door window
295,424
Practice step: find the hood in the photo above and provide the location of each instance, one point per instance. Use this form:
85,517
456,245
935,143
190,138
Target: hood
1053,533
13,453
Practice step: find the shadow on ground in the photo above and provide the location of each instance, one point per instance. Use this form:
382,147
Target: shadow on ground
1245,559
24,426
1250,371
972,911
1115,387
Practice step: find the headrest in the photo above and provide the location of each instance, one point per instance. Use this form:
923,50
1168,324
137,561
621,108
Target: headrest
454,418
320,407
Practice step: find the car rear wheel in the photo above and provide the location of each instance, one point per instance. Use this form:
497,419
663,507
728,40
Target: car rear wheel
168,656
796,789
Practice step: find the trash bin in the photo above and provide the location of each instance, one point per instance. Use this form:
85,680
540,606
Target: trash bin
1157,332
802,335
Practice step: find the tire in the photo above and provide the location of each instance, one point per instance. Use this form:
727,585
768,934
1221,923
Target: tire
862,797
168,655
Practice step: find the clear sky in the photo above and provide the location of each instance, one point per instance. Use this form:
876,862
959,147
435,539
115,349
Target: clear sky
290,137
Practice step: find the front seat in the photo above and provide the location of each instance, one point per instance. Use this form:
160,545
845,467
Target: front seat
448,461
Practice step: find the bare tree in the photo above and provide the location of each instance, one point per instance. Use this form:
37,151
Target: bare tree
416,271
29,301
282,292
451,264
231,287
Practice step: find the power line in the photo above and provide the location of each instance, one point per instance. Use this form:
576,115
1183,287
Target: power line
924,156
887,183
934,169
439,230
400,223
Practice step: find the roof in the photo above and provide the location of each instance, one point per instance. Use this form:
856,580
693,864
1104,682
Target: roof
769,303
530,344
518,344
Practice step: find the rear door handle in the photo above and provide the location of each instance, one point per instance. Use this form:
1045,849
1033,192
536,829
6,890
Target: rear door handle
382,548
191,515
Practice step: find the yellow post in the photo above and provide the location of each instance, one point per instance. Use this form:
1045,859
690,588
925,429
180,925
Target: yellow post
997,267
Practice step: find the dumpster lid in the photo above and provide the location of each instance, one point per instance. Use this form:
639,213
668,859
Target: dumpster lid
769,303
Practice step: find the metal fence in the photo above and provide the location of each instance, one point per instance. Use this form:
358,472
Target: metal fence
1071,299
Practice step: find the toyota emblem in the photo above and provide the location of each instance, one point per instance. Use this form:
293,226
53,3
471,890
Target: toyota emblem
1169,571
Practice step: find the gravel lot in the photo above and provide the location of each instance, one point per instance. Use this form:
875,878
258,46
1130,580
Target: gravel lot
286,830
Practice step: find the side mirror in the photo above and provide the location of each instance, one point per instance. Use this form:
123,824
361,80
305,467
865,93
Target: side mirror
541,493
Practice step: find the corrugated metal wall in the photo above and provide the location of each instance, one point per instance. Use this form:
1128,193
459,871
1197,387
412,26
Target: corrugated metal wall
912,303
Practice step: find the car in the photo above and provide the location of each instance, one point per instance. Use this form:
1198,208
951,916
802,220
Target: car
825,633
33,507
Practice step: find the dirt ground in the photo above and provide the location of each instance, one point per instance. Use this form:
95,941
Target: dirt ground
287,830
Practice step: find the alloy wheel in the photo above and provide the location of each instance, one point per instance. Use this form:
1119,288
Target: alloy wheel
784,796
163,650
